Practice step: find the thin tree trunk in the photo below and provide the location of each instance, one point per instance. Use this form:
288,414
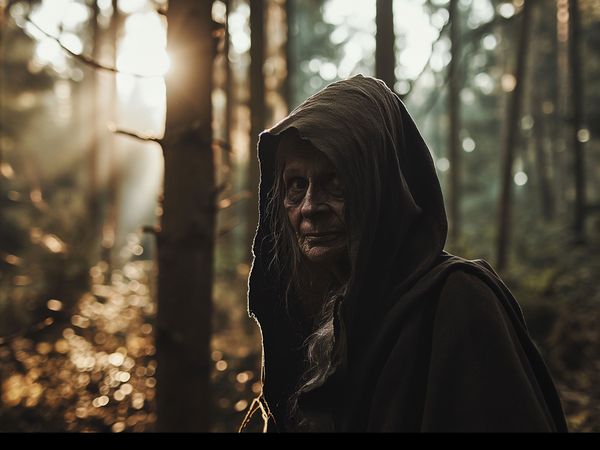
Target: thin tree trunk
384,49
554,117
186,238
577,110
290,67
454,126
542,167
93,167
513,114
541,160
109,229
257,111
561,94
228,92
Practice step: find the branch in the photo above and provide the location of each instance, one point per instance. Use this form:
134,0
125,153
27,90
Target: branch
593,208
426,65
27,331
233,199
223,144
223,231
149,138
476,33
220,188
133,134
469,39
150,229
473,35
86,59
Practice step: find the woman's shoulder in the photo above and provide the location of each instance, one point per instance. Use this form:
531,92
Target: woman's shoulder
462,281
468,298
484,374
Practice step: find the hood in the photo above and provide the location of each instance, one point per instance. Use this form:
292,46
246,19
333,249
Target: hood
389,176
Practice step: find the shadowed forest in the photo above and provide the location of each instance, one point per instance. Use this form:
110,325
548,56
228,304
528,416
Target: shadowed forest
129,177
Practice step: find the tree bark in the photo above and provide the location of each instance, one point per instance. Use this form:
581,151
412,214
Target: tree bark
541,160
385,61
554,134
185,241
513,114
542,164
257,114
111,207
577,111
454,125
561,94
228,91
289,53
93,161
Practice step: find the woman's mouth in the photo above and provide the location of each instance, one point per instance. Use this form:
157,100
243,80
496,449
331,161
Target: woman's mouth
322,238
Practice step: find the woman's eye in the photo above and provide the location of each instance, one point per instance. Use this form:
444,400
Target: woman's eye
295,188
336,188
296,183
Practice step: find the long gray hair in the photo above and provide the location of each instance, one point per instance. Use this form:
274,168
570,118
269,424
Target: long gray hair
319,347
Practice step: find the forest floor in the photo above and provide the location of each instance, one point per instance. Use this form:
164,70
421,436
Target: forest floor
558,290
92,368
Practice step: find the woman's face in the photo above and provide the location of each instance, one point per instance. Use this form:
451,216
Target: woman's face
314,202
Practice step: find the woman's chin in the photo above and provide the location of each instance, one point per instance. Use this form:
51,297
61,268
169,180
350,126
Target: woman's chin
323,254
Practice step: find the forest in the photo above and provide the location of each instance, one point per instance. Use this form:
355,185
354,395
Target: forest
129,185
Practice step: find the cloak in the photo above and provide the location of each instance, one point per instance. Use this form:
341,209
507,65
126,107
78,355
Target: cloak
433,341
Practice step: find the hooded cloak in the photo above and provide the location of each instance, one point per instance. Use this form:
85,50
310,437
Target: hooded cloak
433,341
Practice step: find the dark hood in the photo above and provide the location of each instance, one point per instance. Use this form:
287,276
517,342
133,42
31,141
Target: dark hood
388,172
389,177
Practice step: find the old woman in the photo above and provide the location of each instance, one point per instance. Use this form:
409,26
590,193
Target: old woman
367,323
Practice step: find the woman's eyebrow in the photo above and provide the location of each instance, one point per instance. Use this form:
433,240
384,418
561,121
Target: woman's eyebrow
327,175
291,170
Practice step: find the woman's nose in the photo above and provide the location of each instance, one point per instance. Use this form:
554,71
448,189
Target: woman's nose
313,202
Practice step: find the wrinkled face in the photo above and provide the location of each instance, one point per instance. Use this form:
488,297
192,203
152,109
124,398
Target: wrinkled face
314,201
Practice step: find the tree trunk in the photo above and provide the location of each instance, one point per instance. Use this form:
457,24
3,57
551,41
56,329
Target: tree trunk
111,209
228,92
513,113
185,241
93,162
554,146
561,94
290,67
577,111
384,49
541,160
542,166
257,114
454,125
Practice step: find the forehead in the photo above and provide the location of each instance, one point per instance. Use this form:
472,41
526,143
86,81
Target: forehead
297,154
